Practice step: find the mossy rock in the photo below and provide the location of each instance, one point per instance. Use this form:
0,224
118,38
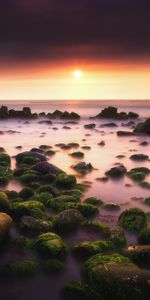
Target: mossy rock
20,268
93,201
58,203
77,291
65,181
5,223
49,244
73,192
26,193
144,236
46,188
143,170
54,266
118,237
30,160
147,201
137,176
139,254
132,219
85,249
111,206
115,276
67,220
77,154
37,225
4,201
20,242
5,175
20,209
50,152
88,210
97,227
44,197
5,159
145,185
28,178
12,195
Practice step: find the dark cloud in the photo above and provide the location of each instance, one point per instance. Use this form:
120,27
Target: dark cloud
60,29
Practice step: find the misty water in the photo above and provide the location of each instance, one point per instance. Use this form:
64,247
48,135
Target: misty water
124,191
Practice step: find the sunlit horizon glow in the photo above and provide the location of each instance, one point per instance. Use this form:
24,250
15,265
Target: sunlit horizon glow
69,80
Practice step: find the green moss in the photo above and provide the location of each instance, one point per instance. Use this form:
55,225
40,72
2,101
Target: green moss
85,249
20,268
26,193
37,225
97,227
29,160
19,209
93,201
132,219
44,197
147,201
12,195
65,181
54,266
111,206
144,236
77,291
4,201
88,210
60,203
118,237
137,176
143,170
20,242
28,178
49,244
45,188
5,174
5,159
145,185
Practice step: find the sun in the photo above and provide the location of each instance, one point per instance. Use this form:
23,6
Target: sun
77,74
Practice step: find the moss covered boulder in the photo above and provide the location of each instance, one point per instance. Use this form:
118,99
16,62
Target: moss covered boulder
65,181
114,276
68,220
49,244
5,223
93,201
26,193
30,223
144,236
132,219
85,249
20,268
4,201
59,203
5,160
97,227
118,237
19,209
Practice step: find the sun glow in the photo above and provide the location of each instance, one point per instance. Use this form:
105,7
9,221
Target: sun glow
77,74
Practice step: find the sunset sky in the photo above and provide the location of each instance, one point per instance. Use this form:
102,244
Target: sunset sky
43,43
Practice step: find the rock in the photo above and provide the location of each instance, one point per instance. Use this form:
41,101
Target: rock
66,127
144,143
77,154
83,167
68,220
47,122
49,244
111,206
128,124
90,126
139,157
114,276
5,159
3,112
4,201
50,152
86,147
91,248
118,237
102,143
133,219
65,181
109,125
19,209
36,225
143,127
46,168
26,193
38,156
125,133
5,223
73,145
116,172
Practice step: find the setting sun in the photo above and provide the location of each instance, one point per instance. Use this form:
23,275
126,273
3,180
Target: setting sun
77,74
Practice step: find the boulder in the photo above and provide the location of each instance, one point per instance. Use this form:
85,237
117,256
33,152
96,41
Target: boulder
116,172
46,168
5,223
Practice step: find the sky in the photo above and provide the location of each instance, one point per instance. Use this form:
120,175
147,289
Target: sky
43,43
